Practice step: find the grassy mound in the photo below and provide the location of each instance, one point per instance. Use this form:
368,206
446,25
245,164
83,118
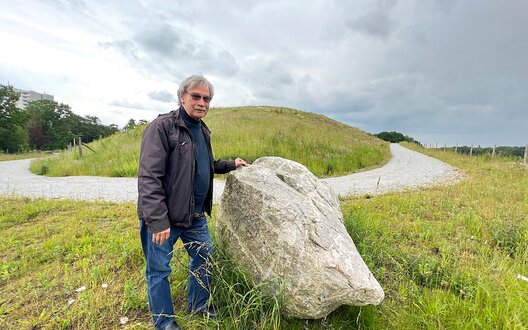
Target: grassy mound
325,146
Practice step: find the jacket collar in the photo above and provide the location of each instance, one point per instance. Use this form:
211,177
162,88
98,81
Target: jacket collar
179,120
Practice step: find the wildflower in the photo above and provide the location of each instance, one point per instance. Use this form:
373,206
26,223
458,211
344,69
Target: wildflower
524,278
82,288
104,286
123,320
71,301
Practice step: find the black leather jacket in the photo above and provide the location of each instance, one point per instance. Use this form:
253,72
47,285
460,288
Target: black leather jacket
166,173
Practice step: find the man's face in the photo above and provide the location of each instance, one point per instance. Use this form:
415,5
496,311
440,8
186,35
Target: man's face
193,101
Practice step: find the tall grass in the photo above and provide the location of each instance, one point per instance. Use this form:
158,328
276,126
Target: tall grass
325,146
447,257
114,156
245,305
50,249
25,155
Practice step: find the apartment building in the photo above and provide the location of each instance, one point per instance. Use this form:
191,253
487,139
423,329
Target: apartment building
27,96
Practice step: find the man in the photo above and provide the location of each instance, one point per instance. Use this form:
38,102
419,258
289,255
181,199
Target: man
175,185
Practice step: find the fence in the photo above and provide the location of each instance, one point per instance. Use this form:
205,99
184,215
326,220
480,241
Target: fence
79,144
493,151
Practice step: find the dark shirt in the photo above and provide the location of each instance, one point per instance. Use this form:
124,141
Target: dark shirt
202,172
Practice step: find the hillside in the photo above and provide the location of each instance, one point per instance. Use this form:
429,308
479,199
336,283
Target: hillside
325,146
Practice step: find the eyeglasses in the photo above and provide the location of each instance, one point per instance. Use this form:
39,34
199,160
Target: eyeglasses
197,97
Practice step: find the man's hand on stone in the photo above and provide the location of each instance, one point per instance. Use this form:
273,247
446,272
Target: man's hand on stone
161,237
240,162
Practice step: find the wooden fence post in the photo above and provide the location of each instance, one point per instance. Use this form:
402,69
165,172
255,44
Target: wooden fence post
456,149
526,154
493,152
80,148
471,150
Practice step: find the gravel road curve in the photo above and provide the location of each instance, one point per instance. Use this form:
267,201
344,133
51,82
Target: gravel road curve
407,169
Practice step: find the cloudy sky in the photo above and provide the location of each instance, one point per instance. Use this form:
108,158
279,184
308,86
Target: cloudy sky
441,71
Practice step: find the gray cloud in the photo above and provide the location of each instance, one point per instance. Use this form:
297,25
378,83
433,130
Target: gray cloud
443,6
376,21
162,96
163,51
268,78
78,5
128,104
162,40
127,47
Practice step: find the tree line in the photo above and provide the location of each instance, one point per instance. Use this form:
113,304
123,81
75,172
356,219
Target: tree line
396,137
44,124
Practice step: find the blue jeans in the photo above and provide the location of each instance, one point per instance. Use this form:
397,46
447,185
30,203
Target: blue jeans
197,242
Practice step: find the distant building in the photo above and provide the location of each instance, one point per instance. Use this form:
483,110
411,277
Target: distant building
27,96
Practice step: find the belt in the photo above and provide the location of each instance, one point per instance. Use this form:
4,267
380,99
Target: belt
197,215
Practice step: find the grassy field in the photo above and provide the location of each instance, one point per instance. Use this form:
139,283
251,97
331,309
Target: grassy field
39,154
326,147
447,257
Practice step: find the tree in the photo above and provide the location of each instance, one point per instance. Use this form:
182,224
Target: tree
90,128
50,124
53,125
37,138
395,137
12,120
13,139
130,125
9,114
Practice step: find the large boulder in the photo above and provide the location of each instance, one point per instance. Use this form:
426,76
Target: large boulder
285,228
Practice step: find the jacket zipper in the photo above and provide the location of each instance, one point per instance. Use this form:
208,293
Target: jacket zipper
191,206
211,175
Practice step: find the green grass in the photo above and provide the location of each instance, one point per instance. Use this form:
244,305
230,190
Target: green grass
27,155
447,258
325,146
114,156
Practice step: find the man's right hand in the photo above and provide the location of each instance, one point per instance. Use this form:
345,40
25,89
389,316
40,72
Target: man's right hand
161,237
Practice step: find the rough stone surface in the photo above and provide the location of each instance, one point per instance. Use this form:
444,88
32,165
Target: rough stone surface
283,225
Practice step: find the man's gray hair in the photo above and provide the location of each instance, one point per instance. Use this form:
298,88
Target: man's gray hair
194,80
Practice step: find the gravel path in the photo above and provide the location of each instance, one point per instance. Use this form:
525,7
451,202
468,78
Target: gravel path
407,169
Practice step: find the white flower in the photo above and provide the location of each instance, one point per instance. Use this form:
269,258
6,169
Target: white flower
524,278
82,288
71,301
104,286
123,320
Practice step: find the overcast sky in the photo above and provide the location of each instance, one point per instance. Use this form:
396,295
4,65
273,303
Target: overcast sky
440,71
